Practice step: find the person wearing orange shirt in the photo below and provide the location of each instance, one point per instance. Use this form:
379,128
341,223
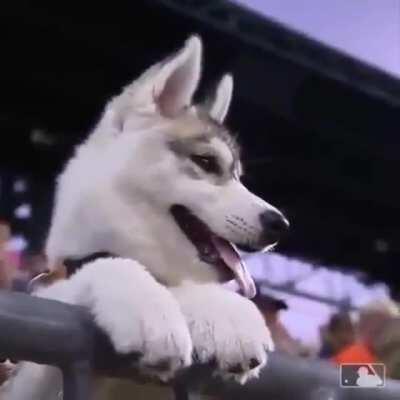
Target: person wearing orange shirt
372,318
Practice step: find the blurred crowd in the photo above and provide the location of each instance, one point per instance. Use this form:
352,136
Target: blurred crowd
374,337
369,335
17,270
15,274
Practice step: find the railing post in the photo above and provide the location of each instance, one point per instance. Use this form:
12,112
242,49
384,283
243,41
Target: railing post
76,381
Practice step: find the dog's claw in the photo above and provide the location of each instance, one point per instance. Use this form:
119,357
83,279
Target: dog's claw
161,365
235,369
254,363
131,357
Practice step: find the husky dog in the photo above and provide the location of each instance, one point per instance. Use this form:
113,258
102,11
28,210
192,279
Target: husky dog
157,183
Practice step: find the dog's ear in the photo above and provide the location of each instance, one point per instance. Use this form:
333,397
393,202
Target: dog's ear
219,106
166,87
175,80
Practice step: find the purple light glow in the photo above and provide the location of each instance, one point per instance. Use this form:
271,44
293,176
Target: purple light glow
305,316
366,29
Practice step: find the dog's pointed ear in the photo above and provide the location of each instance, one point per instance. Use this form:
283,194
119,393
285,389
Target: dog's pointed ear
177,79
219,107
166,88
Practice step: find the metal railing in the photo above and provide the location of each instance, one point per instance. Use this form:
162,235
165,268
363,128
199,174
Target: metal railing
50,332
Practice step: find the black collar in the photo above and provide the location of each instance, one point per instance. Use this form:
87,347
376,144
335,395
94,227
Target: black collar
74,264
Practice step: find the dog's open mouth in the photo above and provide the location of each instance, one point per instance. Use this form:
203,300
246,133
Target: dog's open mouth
214,250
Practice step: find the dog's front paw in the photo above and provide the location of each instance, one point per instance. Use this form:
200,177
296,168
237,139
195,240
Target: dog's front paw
227,329
141,317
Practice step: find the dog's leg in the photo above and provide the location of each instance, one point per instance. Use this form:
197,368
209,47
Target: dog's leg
226,328
139,315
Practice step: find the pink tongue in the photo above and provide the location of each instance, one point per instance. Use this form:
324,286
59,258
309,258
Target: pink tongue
232,259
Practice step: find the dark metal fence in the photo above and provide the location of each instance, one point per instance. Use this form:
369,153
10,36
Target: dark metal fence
51,332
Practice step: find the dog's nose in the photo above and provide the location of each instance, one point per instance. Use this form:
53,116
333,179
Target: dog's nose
274,225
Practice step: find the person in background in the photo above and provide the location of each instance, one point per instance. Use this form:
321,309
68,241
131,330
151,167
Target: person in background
337,334
271,308
372,319
6,270
6,277
387,344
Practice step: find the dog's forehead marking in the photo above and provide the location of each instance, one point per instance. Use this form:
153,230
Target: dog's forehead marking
187,145
230,166
229,150
196,132
201,127
224,153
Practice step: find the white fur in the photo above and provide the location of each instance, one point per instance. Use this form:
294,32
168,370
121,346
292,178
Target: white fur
122,181
114,195
223,97
137,313
225,327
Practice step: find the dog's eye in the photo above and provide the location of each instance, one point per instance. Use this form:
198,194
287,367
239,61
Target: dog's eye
207,163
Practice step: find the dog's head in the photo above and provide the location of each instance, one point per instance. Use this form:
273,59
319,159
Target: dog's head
166,174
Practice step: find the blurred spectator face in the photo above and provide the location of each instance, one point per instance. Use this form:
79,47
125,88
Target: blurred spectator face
371,323
373,317
5,233
341,331
5,270
5,276
10,257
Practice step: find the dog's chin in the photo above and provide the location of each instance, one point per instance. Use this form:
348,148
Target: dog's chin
215,251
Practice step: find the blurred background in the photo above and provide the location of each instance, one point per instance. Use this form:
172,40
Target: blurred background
316,108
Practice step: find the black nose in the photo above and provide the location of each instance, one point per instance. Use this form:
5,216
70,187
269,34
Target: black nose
274,226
